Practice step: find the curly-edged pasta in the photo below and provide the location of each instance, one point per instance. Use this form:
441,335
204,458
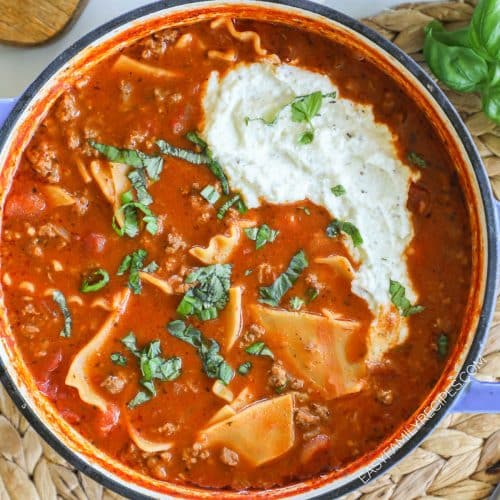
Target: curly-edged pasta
242,36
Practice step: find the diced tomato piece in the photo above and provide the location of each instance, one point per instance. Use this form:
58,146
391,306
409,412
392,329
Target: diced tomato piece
47,388
26,204
107,420
318,444
70,416
52,361
94,242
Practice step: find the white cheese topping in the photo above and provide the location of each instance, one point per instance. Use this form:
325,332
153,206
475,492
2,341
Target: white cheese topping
349,148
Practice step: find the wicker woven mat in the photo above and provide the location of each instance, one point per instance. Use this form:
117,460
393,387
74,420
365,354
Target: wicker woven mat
460,460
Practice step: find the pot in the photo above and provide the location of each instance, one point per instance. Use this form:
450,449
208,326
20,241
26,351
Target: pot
456,390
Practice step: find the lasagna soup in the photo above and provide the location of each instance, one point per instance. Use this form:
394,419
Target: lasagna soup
235,255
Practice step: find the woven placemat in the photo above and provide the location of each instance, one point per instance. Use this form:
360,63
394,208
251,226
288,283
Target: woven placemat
460,460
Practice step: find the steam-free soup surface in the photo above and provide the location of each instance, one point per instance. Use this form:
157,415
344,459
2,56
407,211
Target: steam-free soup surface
262,282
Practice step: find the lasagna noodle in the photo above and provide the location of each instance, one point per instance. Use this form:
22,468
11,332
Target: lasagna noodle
219,249
128,65
77,376
242,36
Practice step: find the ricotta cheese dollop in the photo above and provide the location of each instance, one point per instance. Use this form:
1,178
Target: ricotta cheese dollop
267,162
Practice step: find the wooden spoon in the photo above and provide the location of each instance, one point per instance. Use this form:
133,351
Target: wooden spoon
32,22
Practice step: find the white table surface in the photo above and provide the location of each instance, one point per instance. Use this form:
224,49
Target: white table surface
20,65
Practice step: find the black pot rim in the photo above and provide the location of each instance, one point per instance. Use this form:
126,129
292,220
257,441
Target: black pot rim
488,204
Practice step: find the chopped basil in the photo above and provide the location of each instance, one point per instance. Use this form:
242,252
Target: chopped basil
227,205
336,226
416,159
296,303
152,365
338,190
118,359
209,295
210,194
133,263
303,108
281,388
213,363
273,294
152,164
241,207
307,137
59,298
140,398
398,298
261,235
442,345
312,293
204,158
259,349
96,280
138,181
245,368
130,210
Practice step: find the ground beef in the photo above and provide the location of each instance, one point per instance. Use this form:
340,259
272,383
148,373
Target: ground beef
313,282
43,159
385,397
192,455
67,108
113,384
278,378
156,44
265,273
175,243
305,419
229,457
253,333
322,411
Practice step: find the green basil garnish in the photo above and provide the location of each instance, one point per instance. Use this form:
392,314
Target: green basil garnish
130,209
261,235
152,366
96,280
213,363
133,263
442,345
416,159
336,226
259,349
210,194
245,368
398,298
227,205
296,303
273,294
210,293
338,190
118,359
59,298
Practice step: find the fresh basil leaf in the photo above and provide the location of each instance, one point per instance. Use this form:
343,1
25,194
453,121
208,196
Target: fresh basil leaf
59,298
205,158
416,159
442,345
213,363
458,67
336,226
210,293
118,359
312,294
491,103
130,342
130,211
210,194
140,398
338,190
152,365
245,368
227,205
259,349
138,181
398,298
296,303
484,32
152,164
307,137
273,294
95,281
241,207
306,107
133,263
261,235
